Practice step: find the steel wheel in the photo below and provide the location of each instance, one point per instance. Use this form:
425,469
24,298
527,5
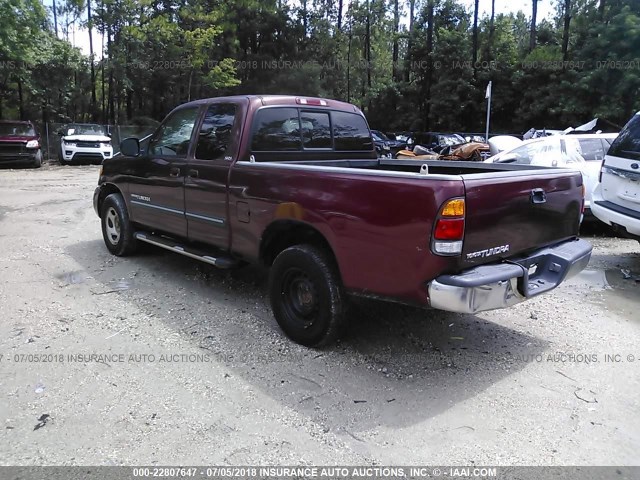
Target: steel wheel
112,226
300,297
306,295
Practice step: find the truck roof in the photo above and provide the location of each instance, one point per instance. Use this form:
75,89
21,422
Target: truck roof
276,100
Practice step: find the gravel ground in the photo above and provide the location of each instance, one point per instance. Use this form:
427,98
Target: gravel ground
189,366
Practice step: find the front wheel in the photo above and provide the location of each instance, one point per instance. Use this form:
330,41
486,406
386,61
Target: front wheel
117,231
306,295
37,161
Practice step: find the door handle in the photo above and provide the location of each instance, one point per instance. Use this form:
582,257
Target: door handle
192,173
174,172
538,196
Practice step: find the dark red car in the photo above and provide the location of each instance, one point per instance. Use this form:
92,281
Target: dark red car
19,144
295,183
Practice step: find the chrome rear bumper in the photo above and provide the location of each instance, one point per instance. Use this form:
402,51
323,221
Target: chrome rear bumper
489,287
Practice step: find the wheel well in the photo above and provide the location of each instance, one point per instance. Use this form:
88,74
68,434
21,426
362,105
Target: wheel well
106,190
284,234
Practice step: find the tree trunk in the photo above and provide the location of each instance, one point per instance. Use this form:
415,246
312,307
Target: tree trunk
55,17
94,113
565,33
367,43
305,13
492,27
534,18
396,28
601,8
475,35
429,79
407,72
103,117
340,6
20,98
349,65
110,103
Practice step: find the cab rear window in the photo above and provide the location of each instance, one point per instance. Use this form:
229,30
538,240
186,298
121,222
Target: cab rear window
286,129
627,145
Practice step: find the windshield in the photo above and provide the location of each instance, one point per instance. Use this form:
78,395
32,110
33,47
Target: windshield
377,137
85,130
17,130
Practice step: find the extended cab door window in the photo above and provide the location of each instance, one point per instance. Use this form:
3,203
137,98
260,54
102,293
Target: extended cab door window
214,137
351,132
276,129
174,136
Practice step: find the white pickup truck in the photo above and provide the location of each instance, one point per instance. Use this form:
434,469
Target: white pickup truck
616,199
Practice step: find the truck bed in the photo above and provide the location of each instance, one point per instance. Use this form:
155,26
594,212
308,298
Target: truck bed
383,212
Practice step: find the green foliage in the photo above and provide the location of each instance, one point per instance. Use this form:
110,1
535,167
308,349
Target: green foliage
160,53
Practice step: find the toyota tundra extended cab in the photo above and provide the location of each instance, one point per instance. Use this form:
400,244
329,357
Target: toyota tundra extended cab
295,184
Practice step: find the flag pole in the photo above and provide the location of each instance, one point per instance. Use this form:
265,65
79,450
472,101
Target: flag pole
488,97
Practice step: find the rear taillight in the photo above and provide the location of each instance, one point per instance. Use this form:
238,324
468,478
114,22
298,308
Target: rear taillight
584,196
448,231
601,169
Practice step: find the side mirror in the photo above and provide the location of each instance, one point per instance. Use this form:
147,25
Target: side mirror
130,147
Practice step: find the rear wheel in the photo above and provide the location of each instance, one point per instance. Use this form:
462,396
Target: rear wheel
117,231
306,295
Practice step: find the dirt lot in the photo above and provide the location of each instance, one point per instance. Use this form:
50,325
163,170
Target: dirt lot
189,366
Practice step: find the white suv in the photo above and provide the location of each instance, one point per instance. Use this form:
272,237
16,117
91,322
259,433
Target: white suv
616,199
84,143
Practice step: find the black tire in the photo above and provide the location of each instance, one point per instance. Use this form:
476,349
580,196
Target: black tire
306,295
117,231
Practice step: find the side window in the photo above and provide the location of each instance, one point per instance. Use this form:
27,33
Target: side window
351,132
215,133
276,129
316,130
173,137
627,145
591,149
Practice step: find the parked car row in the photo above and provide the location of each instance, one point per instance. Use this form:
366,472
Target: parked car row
20,144
612,181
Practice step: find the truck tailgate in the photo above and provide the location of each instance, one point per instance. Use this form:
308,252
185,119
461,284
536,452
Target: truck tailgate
508,213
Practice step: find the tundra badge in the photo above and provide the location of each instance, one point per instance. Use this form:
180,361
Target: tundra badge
488,252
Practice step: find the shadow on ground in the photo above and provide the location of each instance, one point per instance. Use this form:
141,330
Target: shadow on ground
396,365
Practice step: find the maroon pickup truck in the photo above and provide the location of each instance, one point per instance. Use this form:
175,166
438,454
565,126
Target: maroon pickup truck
294,183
